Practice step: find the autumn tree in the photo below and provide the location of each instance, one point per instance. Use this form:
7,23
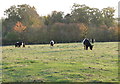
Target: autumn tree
84,30
20,14
29,16
20,29
23,13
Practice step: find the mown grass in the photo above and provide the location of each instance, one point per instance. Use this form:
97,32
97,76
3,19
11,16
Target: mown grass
67,62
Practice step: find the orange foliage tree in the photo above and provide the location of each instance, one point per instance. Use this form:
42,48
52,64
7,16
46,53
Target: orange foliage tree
84,30
19,27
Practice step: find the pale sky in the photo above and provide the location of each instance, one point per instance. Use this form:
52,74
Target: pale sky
45,7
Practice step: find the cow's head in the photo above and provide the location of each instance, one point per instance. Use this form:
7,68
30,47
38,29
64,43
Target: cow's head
91,47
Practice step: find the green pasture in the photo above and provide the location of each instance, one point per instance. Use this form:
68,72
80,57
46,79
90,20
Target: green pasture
65,62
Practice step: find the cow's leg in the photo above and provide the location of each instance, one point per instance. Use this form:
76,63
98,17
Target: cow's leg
91,47
19,45
23,45
86,47
51,44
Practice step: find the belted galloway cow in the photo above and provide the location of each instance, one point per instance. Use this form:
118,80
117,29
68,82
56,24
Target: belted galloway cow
18,44
52,43
87,44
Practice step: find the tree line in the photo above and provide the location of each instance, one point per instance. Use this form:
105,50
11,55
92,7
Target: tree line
23,23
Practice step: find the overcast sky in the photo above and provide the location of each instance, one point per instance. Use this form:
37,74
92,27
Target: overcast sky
45,7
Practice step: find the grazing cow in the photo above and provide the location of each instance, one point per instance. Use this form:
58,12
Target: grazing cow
51,42
87,44
18,44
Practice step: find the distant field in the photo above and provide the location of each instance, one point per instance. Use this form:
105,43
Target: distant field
67,62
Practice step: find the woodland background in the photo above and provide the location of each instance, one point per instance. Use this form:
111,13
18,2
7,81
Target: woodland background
23,23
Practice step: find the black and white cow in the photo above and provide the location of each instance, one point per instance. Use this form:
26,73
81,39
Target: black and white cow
87,44
18,44
51,42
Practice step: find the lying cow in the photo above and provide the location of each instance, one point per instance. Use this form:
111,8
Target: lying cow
87,44
18,44
51,42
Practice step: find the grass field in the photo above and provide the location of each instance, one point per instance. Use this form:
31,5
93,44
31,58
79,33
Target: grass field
67,62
